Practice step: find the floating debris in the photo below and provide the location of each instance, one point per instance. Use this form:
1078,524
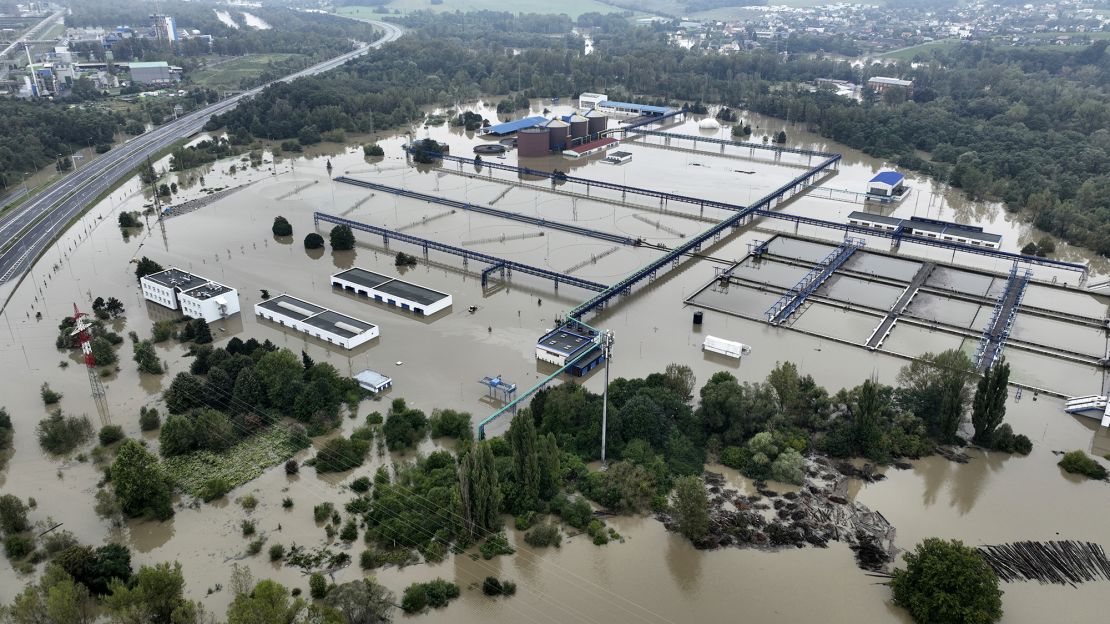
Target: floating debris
1060,563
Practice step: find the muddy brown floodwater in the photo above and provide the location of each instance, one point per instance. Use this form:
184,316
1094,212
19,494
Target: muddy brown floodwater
652,576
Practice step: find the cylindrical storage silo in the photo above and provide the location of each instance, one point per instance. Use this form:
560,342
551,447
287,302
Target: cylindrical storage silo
579,126
559,134
598,122
533,143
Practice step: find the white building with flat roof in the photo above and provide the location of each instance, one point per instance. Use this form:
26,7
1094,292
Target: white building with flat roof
317,321
392,291
195,296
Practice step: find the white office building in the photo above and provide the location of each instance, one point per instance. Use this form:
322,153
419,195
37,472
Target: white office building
316,321
195,296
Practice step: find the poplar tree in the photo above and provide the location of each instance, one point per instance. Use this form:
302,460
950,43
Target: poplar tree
526,465
989,406
479,492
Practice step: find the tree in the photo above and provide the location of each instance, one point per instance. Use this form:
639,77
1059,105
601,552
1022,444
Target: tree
691,507
551,475
404,427
155,596
317,585
282,227
945,582
988,408
55,599
313,241
214,431
449,423
362,602
146,357
937,389
479,493
280,373
342,238
102,351
141,487
114,307
526,467
267,603
13,515
248,393
178,436
60,434
185,393
680,379
146,266
202,334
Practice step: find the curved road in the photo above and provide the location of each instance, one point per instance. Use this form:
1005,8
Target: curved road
28,230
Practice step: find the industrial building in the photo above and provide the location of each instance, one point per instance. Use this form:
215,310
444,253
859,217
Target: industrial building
589,149
373,381
316,321
165,27
391,291
879,84
153,72
887,185
928,228
195,296
571,342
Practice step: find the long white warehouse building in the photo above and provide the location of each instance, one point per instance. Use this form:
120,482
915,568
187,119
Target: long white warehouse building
195,296
317,321
392,291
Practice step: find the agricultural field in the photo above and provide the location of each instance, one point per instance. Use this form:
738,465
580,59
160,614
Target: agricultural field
228,73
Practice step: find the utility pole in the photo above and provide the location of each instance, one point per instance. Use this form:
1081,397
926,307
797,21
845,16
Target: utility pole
607,351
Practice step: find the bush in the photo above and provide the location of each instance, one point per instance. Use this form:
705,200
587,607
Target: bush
322,511
577,513
60,434
255,547
349,532
49,397
249,502
18,546
946,582
110,434
248,527
313,241
292,467
317,586
497,544
547,534
361,485
342,238
491,586
148,419
1003,439
286,503
282,227
340,454
405,427
1078,462
216,487
436,594
277,552
13,514
451,424
403,259
372,149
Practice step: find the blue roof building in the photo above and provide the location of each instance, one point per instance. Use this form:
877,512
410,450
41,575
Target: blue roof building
510,127
887,184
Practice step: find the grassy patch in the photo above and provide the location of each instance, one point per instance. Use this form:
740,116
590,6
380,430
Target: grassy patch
227,73
241,463
908,54
572,8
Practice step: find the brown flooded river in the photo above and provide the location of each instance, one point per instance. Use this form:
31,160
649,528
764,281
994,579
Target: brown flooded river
652,576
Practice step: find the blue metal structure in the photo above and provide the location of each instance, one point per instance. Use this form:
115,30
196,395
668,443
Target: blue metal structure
510,127
898,236
465,254
499,388
782,309
544,223
998,329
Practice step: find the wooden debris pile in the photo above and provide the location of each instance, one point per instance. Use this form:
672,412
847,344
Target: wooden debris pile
1060,563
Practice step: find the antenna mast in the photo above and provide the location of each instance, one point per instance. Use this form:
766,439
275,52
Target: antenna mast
81,330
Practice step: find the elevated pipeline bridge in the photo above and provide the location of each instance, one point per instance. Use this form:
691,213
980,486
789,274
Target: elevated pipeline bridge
779,149
784,308
494,212
465,254
645,120
899,235
694,243
1002,320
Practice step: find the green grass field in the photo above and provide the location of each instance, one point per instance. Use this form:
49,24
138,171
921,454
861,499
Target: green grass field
226,74
572,8
907,54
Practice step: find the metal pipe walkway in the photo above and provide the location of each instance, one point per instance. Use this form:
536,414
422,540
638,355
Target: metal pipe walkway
714,140
899,235
883,330
504,214
784,308
466,254
650,119
761,207
1002,320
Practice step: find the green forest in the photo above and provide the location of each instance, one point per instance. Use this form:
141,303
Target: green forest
1026,127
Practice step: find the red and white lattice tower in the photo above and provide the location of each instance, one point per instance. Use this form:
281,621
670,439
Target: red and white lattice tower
81,326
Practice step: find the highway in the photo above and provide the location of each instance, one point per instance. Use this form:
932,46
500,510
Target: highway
28,230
